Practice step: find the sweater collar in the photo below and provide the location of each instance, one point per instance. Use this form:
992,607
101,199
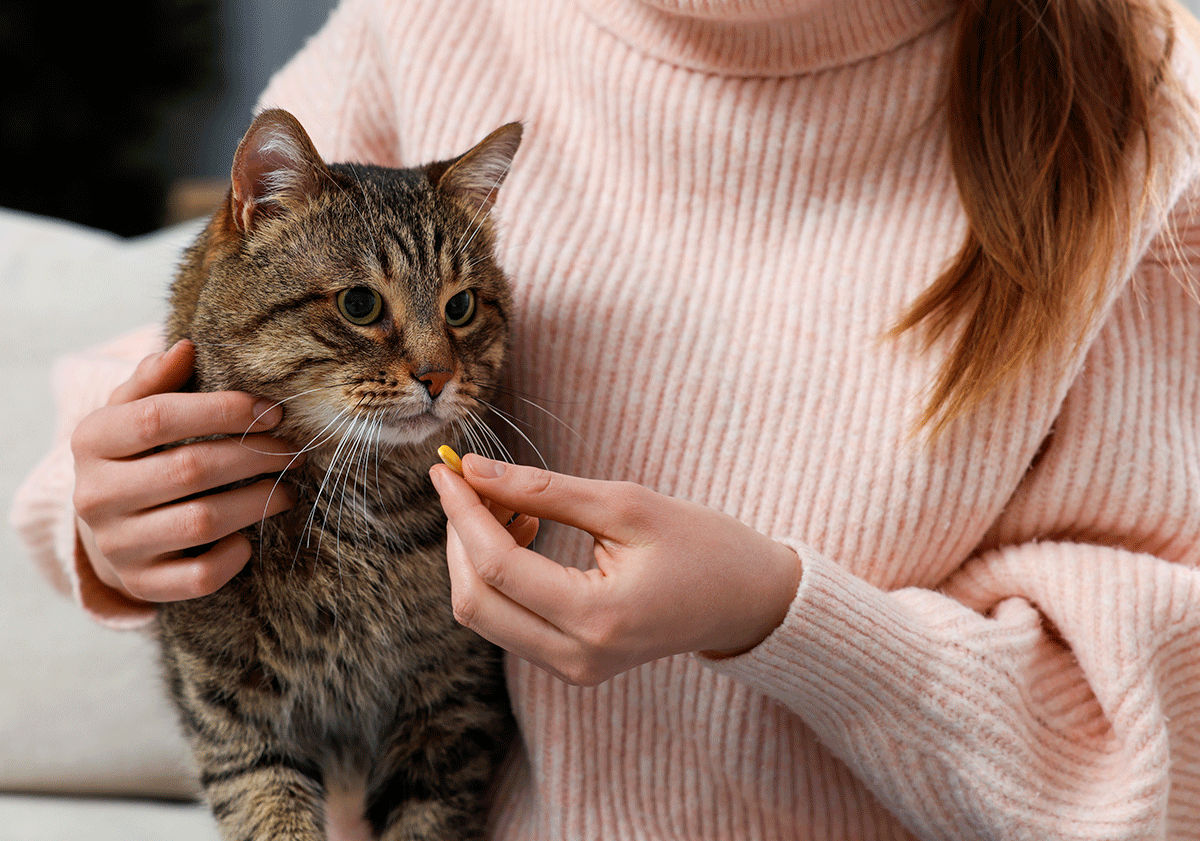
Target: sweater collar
766,37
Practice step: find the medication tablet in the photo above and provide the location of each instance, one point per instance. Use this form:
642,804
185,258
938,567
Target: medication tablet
451,459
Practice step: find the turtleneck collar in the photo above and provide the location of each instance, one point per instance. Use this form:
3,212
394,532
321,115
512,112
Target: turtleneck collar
766,37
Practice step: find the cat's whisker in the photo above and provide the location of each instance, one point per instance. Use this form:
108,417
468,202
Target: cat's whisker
307,530
362,458
378,434
541,409
483,443
351,458
372,445
503,388
343,472
517,429
280,403
279,478
494,408
462,443
466,267
313,442
493,449
317,500
472,441
490,435
512,420
351,438
552,416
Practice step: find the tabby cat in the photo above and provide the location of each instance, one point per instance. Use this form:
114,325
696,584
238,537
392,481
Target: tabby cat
368,302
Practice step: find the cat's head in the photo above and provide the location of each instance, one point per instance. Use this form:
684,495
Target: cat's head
367,298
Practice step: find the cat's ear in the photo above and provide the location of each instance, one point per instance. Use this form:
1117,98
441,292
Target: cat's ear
276,169
475,178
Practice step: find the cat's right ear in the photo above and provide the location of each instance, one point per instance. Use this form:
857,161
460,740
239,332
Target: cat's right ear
276,169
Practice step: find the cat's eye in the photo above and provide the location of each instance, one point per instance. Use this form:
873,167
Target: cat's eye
360,305
461,308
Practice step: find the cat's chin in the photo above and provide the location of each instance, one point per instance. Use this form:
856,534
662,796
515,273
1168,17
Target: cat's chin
404,432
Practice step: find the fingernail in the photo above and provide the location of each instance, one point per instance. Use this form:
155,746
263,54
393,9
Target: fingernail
267,414
484,468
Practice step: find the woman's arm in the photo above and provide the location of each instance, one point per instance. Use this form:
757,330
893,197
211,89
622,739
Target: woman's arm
1047,690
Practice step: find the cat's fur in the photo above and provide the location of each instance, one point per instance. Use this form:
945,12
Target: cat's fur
334,655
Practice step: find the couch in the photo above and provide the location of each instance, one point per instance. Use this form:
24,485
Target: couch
88,744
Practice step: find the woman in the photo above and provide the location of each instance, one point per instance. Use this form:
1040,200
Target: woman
871,319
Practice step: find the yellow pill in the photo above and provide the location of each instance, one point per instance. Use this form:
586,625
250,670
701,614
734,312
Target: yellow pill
447,455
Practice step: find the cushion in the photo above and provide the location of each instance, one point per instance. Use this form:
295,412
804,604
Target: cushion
43,818
82,709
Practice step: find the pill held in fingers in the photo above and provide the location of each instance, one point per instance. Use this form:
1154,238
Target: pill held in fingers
450,458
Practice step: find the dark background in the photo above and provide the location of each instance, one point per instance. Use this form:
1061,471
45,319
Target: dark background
124,116
113,115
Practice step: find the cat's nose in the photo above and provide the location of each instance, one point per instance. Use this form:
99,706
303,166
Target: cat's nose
434,379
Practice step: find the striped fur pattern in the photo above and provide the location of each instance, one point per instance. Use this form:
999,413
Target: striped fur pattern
333,659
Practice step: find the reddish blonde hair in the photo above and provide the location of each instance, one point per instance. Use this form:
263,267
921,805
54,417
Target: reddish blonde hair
1049,105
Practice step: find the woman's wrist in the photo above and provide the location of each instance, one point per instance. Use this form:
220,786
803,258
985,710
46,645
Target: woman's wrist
787,570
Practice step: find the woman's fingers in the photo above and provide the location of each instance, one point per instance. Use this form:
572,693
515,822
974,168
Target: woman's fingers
195,522
598,507
523,529
180,578
129,429
157,373
139,506
550,590
198,467
498,618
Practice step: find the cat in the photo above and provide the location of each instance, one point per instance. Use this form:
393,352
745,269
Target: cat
368,302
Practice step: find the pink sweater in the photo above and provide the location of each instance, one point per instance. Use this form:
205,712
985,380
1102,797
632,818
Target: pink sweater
717,210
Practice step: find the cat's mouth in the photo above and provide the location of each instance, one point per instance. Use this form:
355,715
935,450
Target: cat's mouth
404,419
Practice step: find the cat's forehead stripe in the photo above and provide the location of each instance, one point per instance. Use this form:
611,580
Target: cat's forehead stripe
406,249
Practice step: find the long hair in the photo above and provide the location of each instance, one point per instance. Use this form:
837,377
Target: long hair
1049,105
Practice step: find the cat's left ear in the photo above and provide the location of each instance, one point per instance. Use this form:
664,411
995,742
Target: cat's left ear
276,169
475,178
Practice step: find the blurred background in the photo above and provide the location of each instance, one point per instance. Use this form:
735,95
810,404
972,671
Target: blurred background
124,116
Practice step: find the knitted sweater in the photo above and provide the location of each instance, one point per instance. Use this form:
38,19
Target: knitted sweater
719,207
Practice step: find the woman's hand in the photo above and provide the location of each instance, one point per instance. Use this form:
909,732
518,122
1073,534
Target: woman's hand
131,520
670,576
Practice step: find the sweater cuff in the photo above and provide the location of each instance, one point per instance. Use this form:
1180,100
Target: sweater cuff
104,604
844,652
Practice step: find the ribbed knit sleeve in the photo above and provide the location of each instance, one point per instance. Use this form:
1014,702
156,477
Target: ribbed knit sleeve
338,86
1049,688
43,514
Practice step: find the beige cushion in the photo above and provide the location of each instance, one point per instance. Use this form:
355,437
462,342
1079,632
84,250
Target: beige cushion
81,707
